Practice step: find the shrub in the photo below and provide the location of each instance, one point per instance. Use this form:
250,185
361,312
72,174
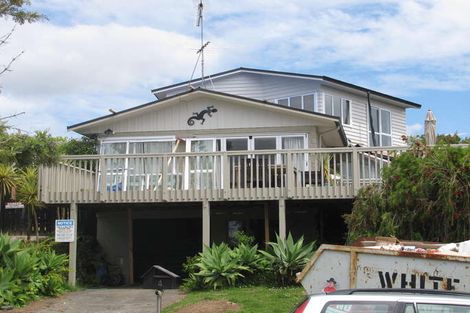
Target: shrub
218,267
241,237
286,257
190,268
28,271
425,195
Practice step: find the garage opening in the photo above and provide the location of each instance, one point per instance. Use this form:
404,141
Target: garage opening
165,242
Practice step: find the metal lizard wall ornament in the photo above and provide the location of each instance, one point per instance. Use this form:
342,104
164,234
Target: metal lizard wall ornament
200,116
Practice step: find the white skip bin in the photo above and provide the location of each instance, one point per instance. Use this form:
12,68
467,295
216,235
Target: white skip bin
360,267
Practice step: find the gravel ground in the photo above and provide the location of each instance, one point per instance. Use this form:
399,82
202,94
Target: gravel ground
118,300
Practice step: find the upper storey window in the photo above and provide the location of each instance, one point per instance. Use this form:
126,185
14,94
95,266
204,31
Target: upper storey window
339,107
305,102
381,124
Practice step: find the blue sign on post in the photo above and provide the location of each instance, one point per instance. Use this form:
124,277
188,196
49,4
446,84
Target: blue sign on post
64,230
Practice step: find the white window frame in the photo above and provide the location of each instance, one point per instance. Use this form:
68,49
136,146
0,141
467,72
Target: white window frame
343,100
187,171
223,148
127,141
341,114
302,105
379,132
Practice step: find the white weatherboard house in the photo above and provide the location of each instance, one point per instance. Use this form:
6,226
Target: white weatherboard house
261,151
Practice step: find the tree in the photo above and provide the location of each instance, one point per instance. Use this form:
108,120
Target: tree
81,146
8,181
14,9
28,195
26,150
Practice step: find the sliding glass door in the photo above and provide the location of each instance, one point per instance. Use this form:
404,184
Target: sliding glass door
146,172
203,168
115,167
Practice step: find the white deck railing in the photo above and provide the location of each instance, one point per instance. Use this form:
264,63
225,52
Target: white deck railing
243,175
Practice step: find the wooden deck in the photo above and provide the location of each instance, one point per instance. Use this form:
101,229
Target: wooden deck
330,173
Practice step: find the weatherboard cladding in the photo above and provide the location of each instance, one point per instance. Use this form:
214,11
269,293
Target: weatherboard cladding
338,83
271,88
358,131
232,117
261,87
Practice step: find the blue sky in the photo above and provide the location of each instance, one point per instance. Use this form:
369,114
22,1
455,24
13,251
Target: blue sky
92,55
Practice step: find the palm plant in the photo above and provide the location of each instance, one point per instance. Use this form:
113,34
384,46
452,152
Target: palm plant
8,180
28,195
287,257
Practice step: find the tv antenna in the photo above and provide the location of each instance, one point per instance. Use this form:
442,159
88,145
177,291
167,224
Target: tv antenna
200,52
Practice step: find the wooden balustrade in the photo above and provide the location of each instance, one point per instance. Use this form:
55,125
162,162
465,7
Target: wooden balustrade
242,175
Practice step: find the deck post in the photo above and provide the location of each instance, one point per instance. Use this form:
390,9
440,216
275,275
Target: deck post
130,245
289,175
206,224
266,224
356,175
225,175
103,177
73,246
282,218
164,181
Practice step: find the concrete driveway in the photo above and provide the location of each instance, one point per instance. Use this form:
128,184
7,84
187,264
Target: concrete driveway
116,300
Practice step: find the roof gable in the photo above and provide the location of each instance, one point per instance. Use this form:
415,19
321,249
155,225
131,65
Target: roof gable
174,114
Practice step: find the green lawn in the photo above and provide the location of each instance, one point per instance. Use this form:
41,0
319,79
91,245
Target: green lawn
251,299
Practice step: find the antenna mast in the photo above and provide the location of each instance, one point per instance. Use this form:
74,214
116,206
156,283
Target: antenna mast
200,23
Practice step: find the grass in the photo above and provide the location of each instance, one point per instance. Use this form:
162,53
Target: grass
251,299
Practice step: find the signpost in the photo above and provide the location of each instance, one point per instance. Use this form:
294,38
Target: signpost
66,231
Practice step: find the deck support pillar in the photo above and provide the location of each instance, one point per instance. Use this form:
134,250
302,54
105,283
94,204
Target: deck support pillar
266,224
206,224
73,246
282,218
130,245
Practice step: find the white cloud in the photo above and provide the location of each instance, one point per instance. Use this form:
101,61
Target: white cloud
96,59
80,71
415,129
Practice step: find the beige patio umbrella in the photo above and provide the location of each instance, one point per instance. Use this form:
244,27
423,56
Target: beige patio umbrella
430,129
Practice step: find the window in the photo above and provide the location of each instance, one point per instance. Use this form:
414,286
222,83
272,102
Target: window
442,308
144,171
359,307
305,102
338,107
236,144
202,169
265,143
115,167
381,123
295,143
126,173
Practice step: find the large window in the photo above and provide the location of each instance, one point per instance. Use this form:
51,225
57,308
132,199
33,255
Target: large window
125,173
380,122
339,107
305,102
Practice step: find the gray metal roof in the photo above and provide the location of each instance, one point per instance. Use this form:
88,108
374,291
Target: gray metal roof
308,76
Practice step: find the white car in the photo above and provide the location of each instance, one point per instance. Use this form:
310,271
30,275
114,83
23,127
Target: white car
386,301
